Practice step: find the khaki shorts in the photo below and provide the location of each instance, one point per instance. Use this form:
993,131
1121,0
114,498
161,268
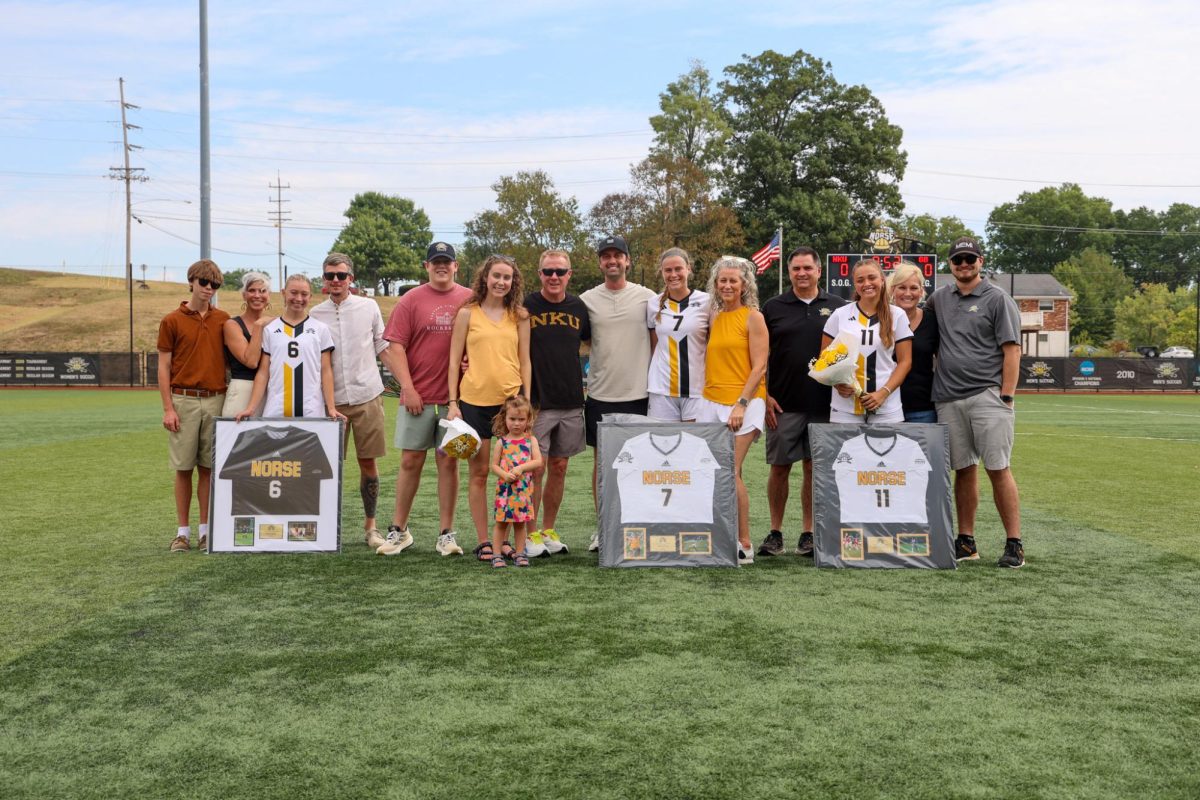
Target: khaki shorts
237,397
982,428
366,421
559,432
420,432
192,445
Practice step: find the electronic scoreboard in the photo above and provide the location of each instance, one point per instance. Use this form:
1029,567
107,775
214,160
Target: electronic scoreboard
840,267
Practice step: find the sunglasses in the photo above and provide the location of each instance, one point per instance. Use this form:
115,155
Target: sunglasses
336,276
205,282
960,260
558,273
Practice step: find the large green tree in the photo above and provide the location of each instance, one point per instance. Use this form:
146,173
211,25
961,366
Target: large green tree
806,151
1041,229
1097,285
690,126
530,216
386,239
1160,246
1157,316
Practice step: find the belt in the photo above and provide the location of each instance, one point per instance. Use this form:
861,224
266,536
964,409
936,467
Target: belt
195,392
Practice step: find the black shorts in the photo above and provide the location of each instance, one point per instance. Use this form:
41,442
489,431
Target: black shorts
479,417
594,409
789,443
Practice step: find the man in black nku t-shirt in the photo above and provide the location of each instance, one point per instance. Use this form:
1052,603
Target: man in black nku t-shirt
558,324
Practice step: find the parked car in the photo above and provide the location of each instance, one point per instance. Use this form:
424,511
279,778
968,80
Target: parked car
1177,352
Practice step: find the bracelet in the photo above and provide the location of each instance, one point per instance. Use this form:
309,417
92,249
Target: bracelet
448,402
889,391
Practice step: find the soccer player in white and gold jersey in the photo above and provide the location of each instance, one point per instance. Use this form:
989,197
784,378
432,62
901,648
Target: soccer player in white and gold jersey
295,372
678,323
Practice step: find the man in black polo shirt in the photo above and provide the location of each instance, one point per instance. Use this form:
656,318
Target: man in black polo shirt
558,322
979,359
795,321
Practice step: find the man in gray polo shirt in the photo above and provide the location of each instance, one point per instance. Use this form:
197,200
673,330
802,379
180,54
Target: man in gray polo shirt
978,362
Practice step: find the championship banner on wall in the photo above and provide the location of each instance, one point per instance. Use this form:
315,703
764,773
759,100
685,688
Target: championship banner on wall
667,496
881,496
276,486
50,369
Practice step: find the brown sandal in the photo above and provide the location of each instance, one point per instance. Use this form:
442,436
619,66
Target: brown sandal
484,551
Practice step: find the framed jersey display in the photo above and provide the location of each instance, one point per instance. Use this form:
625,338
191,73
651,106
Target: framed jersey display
667,495
881,496
277,485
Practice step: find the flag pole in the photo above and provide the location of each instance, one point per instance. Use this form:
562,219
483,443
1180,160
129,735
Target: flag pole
781,258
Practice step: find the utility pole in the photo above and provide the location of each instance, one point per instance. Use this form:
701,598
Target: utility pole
205,173
126,173
277,216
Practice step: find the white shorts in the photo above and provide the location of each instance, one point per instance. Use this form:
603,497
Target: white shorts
894,415
675,409
753,422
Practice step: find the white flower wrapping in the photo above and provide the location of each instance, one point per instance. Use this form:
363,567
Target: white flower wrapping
837,363
460,441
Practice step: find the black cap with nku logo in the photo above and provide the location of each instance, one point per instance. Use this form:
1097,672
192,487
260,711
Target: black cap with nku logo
440,250
612,243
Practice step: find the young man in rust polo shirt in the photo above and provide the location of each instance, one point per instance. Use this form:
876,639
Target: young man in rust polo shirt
191,380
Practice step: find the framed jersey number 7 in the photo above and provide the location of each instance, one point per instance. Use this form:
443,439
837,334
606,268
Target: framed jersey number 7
667,495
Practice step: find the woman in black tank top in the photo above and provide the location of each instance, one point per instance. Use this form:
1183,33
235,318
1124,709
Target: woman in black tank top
243,341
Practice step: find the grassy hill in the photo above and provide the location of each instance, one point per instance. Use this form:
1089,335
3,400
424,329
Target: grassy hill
51,311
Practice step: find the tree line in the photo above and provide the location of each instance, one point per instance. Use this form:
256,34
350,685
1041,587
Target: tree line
778,140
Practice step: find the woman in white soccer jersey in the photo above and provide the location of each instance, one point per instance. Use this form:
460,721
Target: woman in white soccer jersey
885,349
295,372
735,368
678,323
243,341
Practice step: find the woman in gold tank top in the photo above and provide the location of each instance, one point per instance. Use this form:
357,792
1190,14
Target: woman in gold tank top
735,368
492,330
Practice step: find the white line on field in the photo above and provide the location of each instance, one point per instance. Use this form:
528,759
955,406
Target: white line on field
1108,436
1102,409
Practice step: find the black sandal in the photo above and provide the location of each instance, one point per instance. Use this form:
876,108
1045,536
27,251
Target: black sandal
484,551
507,550
519,560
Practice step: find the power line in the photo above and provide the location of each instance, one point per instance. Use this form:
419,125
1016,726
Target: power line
422,163
1057,182
193,242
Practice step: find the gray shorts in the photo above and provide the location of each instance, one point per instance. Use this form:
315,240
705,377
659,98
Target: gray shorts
981,428
559,432
788,443
419,432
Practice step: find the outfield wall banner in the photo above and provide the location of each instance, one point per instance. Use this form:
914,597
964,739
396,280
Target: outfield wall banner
1163,373
881,496
1113,374
1041,373
50,369
277,485
667,495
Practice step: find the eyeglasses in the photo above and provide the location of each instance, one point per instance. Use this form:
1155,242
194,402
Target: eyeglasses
338,276
205,282
558,273
959,260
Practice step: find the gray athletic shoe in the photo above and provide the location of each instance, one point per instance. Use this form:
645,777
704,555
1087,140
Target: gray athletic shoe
805,547
772,545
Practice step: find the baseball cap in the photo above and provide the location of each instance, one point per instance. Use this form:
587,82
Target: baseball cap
612,243
965,244
440,250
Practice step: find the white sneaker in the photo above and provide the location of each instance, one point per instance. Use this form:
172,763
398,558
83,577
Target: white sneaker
594,545
554,545
745,554
398,540
374,540
447,544
535,546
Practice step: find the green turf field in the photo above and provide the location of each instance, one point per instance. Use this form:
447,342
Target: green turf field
127,671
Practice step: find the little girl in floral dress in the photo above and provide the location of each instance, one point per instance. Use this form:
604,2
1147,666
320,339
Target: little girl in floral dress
514,459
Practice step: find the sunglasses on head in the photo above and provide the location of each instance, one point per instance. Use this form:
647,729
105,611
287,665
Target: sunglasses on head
961,259
557,272
338,276
205,282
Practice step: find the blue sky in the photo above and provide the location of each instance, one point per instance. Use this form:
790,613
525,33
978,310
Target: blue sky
436,101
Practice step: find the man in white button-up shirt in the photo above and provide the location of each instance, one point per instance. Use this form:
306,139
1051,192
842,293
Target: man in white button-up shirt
357,327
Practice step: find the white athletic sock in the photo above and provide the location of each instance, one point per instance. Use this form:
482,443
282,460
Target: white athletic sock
204,529
185,531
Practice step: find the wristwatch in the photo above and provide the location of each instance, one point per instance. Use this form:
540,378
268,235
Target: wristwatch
743,402
1007,398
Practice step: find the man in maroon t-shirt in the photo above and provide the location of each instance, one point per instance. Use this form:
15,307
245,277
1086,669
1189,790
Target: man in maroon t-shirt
419,330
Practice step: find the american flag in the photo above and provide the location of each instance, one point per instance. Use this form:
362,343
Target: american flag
763,258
